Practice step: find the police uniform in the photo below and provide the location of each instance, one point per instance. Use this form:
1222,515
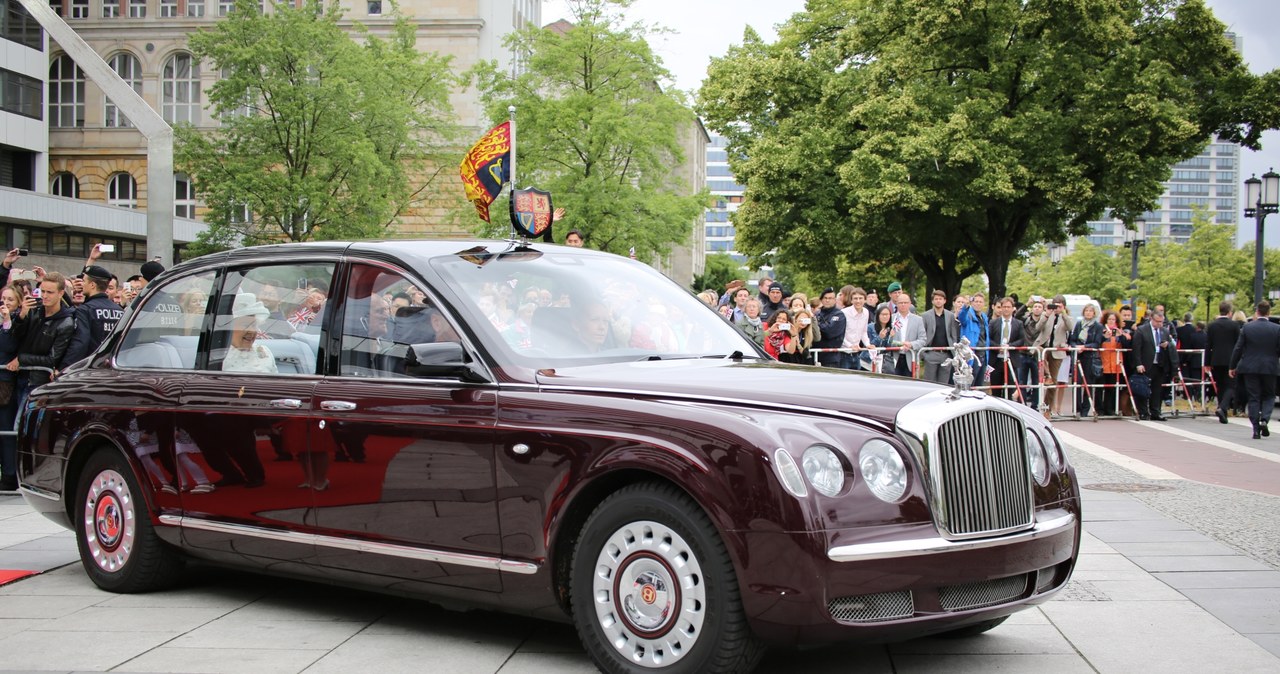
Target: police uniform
95,319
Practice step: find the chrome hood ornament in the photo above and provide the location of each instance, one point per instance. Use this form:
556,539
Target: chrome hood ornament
961,370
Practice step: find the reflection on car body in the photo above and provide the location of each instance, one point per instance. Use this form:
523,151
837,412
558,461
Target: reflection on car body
609,452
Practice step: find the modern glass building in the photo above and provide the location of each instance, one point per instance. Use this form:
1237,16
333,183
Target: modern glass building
728,196
1208,181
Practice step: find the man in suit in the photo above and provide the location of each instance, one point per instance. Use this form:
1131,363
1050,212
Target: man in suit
1223,335
1156,356
1034,334
1256,360
941,331
1006,333
908,331
1055,329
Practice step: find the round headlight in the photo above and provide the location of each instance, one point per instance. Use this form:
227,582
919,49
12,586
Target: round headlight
824,470
883,470
1037,463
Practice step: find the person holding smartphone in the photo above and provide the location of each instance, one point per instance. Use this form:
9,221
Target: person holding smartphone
45,335
777,334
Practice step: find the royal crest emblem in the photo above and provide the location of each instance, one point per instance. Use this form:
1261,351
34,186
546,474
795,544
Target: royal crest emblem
531,213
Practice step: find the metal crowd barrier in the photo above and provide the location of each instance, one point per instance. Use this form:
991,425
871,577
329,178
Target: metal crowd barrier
1076,389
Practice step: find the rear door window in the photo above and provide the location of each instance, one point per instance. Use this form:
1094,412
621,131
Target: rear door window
268,319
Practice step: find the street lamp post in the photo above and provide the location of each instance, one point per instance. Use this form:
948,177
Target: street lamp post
1056,253
1134,239
1261,197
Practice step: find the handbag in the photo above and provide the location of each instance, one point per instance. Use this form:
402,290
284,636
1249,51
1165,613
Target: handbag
6,392
1141,385
1095,367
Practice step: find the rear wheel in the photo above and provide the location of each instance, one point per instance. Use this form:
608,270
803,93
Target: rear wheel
653,588
118,544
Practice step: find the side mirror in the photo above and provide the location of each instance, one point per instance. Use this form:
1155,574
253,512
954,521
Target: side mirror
438,359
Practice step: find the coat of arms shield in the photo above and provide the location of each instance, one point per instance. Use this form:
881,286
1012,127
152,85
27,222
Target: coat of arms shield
531,213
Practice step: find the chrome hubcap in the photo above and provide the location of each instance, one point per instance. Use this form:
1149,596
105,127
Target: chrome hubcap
109,521
649,593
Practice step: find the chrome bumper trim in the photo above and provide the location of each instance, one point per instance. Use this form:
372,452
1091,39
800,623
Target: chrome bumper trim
862,552
389,549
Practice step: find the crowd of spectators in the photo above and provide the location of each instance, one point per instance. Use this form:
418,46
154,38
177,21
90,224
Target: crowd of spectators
1094,363
49,320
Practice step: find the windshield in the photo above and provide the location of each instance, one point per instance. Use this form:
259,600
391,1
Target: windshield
555,309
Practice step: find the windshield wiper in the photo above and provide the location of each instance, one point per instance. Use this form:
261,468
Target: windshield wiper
736,355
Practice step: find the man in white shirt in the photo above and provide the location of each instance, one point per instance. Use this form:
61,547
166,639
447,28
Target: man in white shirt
855,329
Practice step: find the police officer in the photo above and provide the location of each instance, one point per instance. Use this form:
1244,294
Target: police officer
96,317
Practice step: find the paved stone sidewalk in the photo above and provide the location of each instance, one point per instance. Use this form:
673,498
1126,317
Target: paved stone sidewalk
1150,593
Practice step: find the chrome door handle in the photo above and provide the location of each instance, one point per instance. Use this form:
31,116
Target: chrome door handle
337,405
290,403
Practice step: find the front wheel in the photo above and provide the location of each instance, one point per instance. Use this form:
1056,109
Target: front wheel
118,544
653,588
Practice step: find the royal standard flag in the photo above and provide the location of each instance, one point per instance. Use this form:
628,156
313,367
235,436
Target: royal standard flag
486,168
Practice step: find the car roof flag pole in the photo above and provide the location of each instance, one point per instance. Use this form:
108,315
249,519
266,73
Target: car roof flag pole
511,193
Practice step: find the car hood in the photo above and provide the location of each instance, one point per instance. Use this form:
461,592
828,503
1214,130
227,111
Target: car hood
877,397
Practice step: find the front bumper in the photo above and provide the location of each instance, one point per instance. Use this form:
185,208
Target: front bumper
898,582
865,552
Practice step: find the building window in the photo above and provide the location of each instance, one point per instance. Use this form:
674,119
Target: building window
184,197
66,94
21,95
130,70
110,9
79,9
137,9
240,214
168,9
180,83
122,191
19,26
57,7
195,8
65,184
244,108
375,7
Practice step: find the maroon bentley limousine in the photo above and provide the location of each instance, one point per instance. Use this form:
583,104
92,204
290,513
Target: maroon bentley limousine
550,431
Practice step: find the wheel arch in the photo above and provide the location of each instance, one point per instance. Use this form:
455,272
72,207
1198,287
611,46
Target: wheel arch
87,443
589,497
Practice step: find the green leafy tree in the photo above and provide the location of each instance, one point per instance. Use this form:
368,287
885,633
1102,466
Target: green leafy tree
598,129
1206,268
961,135
322,136
720,269
1097,271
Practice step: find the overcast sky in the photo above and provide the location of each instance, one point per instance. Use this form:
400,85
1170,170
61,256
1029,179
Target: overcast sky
706,28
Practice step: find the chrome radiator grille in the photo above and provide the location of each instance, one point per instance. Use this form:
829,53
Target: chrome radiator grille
981,475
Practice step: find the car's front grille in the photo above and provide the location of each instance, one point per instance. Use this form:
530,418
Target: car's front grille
869,608
982,479
985,593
